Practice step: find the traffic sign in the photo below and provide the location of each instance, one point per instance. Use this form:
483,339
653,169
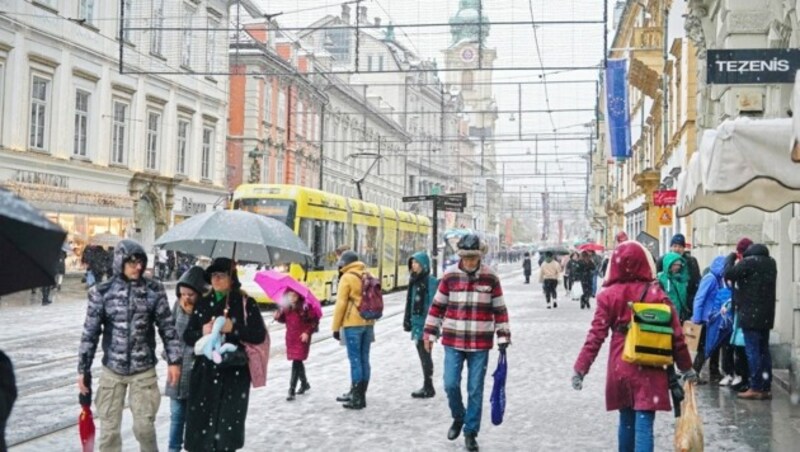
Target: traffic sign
451,204
419,198
665,216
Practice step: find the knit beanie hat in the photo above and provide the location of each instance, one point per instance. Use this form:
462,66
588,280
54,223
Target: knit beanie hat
743,244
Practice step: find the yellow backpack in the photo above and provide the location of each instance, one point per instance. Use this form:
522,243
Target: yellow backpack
648,341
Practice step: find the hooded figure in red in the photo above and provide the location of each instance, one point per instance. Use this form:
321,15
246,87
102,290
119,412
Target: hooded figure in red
630,386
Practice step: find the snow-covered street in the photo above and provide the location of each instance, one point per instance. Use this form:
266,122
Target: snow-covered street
543,412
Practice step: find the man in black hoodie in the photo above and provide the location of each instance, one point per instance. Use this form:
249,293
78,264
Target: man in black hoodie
754,279
8,394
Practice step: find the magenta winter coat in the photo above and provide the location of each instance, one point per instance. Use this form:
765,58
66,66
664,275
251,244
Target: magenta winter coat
298,321
631,269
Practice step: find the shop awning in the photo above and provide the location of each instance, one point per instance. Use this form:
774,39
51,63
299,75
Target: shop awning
743,163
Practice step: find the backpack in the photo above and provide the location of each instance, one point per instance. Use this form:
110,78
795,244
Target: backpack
371,307
648,341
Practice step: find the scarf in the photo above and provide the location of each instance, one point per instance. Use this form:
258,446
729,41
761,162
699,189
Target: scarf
419,281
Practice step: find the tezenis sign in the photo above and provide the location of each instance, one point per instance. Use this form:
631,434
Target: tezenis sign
752,66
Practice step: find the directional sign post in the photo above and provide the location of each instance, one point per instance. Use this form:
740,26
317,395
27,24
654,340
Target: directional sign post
449,202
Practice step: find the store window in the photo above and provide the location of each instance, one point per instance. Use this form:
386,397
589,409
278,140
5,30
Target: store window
80,230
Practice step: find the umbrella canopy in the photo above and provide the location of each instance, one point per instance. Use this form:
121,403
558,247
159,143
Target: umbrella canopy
554,249
592,247
726,175
106,239
29,243
275,284
234,233
85,419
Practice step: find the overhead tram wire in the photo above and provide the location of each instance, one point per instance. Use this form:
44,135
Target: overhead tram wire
541,62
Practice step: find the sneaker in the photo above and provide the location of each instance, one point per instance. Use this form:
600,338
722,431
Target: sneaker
548,306
737,380
727,380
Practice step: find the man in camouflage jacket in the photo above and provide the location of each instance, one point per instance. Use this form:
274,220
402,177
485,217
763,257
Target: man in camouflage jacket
125,310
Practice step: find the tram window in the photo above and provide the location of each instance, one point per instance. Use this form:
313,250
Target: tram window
407,246
334,237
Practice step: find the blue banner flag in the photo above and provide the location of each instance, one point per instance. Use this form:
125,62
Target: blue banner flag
617,113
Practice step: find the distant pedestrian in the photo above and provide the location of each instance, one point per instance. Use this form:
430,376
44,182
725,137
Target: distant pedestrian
636,391
678,245
8,394
467,311
704,302
357,332
220,393
754,279
582,272
548,278
126,310
526,267
421,290
189,290
301,322
674,280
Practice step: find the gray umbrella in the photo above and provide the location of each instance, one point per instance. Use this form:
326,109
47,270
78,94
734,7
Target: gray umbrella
242,235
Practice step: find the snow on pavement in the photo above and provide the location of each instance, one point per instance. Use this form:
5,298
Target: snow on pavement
543,412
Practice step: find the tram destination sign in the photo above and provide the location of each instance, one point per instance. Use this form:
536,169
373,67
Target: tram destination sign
752,66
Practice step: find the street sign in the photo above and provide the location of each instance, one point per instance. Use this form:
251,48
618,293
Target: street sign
665,216
419,198
451,204
454,196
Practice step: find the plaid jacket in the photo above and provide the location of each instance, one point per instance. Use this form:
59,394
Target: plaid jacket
467,310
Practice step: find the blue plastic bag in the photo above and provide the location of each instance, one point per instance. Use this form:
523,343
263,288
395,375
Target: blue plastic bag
498,399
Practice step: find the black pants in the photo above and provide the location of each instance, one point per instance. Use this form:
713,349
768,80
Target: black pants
700,358
298,374
734,361
426,361
567,283
550,289
527,278
586,286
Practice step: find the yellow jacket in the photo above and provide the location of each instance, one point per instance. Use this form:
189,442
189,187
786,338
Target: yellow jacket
348,298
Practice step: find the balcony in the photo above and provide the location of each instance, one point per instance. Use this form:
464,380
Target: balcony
647,46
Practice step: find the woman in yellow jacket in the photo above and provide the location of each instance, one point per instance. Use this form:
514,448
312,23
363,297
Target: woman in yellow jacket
357,333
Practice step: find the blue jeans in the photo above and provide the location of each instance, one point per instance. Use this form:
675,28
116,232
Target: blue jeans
635,430
476,376
759,360
177,419
358,340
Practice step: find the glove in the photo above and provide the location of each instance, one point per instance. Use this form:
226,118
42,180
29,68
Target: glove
503,346
690,376
577,381
406,325
336,335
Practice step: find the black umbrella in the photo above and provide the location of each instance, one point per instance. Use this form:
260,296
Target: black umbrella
29,243
553,249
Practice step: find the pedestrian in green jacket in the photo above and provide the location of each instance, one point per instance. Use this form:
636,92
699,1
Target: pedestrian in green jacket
674,279
421,290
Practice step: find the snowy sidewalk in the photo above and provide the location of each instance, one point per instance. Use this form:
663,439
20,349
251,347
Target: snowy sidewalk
543,412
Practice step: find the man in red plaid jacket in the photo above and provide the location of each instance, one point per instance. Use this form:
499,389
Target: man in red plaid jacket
466,312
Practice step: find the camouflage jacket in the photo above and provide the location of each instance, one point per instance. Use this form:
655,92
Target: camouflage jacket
126,313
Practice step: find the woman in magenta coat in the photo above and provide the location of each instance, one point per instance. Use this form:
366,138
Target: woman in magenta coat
301,322
636,391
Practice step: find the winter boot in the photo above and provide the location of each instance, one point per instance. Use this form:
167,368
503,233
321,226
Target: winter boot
426,392
455,429
471,442
357,400
304,386
292,384
347,395
364,392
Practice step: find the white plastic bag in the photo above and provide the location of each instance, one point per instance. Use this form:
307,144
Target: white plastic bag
577,290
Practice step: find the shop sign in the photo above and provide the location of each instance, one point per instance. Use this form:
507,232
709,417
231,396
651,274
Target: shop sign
192,208
39,178
665,197
752,66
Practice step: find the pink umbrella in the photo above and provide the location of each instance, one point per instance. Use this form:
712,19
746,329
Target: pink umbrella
591,247
275,284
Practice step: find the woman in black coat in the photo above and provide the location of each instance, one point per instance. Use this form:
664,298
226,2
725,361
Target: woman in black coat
220,393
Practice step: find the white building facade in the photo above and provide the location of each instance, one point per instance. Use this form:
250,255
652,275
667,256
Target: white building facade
102,151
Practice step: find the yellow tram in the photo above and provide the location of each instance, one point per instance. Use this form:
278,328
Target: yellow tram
384,238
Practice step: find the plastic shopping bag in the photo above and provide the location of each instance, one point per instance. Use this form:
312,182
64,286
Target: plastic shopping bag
498,398
689,427
577,290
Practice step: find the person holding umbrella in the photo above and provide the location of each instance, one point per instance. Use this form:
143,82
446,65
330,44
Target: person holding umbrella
126,310
8,394
220,393
301,322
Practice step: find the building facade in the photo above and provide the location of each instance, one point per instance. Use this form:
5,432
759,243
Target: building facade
102,151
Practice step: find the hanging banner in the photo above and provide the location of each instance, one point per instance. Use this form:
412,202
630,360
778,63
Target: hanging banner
617,113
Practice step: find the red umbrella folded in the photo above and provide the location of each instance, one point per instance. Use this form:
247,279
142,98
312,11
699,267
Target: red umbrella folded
85,419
